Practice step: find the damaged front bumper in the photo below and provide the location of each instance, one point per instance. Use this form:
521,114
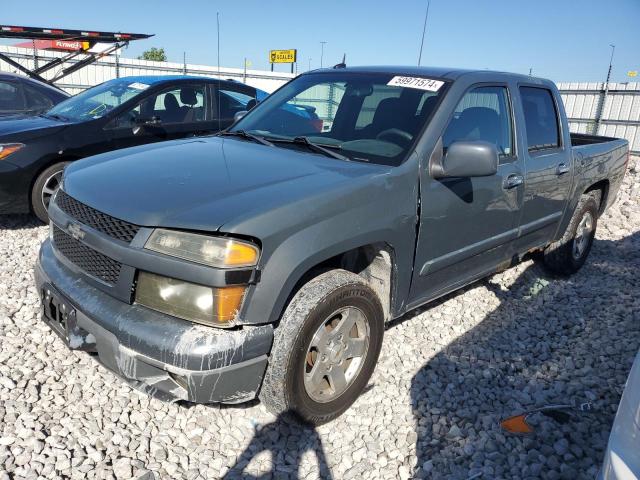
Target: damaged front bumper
166,357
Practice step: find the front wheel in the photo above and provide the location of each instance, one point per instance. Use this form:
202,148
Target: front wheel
567,255
44,188
325,348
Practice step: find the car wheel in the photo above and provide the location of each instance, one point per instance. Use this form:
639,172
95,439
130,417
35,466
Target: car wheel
44,188
325,348
567,255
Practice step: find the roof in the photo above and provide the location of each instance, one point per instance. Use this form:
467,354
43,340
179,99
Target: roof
437,72
153,79
22,78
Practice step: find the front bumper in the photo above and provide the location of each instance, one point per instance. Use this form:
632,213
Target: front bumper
166,357
14,190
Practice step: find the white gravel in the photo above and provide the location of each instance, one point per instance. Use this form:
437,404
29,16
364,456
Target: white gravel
447,374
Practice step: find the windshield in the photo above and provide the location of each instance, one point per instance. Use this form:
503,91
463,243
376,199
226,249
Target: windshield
365,117
96,102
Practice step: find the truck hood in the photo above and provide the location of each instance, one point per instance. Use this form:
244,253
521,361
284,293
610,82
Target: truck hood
201,184
31,127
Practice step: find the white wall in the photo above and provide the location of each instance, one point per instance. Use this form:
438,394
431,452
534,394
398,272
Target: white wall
105,69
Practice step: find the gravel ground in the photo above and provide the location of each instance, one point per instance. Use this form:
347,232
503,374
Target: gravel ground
516,341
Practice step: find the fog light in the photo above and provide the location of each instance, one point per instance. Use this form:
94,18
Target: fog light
217,307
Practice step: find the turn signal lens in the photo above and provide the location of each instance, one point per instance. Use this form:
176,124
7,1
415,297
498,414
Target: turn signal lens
7,149
216,307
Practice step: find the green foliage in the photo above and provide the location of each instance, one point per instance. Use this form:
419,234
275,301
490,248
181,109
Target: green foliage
154,54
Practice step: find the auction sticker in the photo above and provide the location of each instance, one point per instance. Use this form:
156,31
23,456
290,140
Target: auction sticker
419,83
138,86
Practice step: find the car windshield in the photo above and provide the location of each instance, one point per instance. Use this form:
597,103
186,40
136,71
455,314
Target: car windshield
96,102
362,116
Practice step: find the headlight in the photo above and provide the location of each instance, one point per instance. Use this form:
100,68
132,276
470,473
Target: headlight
218,252
7,149
217,307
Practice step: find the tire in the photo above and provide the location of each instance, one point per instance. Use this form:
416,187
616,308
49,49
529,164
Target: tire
333,300
567,255
43,188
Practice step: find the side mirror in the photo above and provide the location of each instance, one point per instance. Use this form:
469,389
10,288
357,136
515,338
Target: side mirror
149,126
467,159
239,115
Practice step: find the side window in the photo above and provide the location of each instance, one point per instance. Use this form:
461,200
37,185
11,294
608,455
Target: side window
231,102
10,97
483,114
184,104
541,118
180,105
37,100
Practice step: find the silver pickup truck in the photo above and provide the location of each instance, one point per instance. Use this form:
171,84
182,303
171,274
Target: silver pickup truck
264,261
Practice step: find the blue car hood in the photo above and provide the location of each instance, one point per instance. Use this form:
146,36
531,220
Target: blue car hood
201,184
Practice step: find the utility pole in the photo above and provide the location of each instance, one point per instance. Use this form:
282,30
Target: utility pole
184,63
530,71
244,78
424,30
613,50
309,63
321,52
605,93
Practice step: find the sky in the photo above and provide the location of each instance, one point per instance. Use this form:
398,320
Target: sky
564,40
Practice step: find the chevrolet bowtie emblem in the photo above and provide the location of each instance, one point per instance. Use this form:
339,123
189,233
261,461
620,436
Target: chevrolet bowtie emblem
75,231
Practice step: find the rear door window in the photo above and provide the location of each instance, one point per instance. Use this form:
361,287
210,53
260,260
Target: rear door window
37,100
10,97
541,118
483,114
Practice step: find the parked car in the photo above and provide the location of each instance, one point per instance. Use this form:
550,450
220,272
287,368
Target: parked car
621,459
24,96
265,261
116,114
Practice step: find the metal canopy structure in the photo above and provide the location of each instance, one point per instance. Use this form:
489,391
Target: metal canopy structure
87,37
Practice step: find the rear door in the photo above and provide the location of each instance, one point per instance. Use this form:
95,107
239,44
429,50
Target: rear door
548,165
230,98
468,224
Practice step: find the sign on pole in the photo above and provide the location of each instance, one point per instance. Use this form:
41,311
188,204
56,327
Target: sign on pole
283,56
632,73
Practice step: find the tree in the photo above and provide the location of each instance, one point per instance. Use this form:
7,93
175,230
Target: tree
154,54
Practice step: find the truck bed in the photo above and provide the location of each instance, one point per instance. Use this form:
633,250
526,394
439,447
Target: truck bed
579,139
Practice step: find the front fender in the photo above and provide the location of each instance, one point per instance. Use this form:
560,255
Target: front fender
385,211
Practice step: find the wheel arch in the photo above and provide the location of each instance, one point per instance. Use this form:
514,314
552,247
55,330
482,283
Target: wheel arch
603,187
42,166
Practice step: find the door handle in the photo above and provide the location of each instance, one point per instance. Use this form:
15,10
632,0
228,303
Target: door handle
513,181
562,169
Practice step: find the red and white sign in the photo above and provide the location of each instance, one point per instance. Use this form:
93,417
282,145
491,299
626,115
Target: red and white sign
60,45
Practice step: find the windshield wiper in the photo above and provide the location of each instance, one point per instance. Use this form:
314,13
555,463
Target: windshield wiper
248,136
324,149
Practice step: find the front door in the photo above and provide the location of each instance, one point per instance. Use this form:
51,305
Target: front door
468,225
548,168
174,112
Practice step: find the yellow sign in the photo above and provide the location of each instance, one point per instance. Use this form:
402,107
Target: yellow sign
632,73
282,56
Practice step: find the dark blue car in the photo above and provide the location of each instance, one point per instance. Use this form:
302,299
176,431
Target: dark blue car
20,95
116,114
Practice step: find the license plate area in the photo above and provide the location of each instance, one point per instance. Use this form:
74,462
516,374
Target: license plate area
58,311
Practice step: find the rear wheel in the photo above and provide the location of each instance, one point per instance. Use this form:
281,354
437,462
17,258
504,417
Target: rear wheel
325,348
567,255
44,188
